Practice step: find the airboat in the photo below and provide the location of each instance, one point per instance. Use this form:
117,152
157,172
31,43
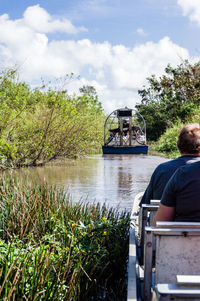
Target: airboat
125,133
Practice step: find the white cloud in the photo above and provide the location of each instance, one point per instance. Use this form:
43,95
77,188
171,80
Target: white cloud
117,72
38,19
141,32
191,8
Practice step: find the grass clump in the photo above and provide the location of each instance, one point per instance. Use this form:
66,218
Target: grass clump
52,249
167,143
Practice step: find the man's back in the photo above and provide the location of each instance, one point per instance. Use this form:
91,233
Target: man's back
182,192
161,176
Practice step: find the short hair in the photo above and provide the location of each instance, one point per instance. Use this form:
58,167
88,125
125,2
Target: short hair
189,139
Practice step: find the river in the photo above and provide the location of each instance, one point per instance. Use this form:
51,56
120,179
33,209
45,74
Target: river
110,179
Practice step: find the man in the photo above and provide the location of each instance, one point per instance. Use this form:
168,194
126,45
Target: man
189,147
181,197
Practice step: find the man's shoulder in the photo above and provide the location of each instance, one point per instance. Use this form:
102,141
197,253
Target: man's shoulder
191,167
178,162
171,163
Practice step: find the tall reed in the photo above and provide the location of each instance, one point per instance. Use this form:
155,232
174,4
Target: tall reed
54,249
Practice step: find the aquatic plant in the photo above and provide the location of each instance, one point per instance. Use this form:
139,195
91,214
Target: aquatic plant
54,249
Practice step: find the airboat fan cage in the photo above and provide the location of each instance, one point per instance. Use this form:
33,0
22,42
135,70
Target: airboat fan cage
124,128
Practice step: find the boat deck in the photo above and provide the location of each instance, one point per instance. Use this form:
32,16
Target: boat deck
164,261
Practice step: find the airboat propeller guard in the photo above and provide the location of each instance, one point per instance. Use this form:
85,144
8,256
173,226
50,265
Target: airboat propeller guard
125,132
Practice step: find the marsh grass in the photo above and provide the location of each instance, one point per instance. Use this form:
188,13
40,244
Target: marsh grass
53,249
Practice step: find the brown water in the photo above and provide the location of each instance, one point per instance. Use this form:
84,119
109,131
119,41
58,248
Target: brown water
110,179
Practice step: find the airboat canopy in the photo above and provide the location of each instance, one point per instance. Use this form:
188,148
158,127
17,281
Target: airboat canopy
125,133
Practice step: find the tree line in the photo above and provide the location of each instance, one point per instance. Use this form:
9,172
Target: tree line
41,124
169,101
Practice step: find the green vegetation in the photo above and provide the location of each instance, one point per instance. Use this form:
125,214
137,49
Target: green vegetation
168,103
167,142
51,249
37,126
172,98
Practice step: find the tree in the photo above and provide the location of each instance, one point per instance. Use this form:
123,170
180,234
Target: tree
91,93
175,95
38,126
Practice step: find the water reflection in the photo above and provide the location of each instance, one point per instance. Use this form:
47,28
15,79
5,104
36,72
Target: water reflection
114,179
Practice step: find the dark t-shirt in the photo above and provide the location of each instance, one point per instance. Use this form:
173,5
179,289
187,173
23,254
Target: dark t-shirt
161,176
183,192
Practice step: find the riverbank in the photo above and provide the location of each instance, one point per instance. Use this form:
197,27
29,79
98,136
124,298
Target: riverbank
154,151
52,249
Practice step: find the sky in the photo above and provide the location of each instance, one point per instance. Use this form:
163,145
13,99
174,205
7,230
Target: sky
113,45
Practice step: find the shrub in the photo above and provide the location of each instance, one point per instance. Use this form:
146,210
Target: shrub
40,125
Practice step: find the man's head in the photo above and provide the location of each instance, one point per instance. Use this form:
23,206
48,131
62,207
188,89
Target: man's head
189,139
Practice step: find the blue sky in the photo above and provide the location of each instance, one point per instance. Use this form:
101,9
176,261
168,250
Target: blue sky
113,45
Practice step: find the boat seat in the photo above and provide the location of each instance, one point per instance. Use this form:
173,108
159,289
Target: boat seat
186,288
155,202
188,280
165,292
176,253
146,215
